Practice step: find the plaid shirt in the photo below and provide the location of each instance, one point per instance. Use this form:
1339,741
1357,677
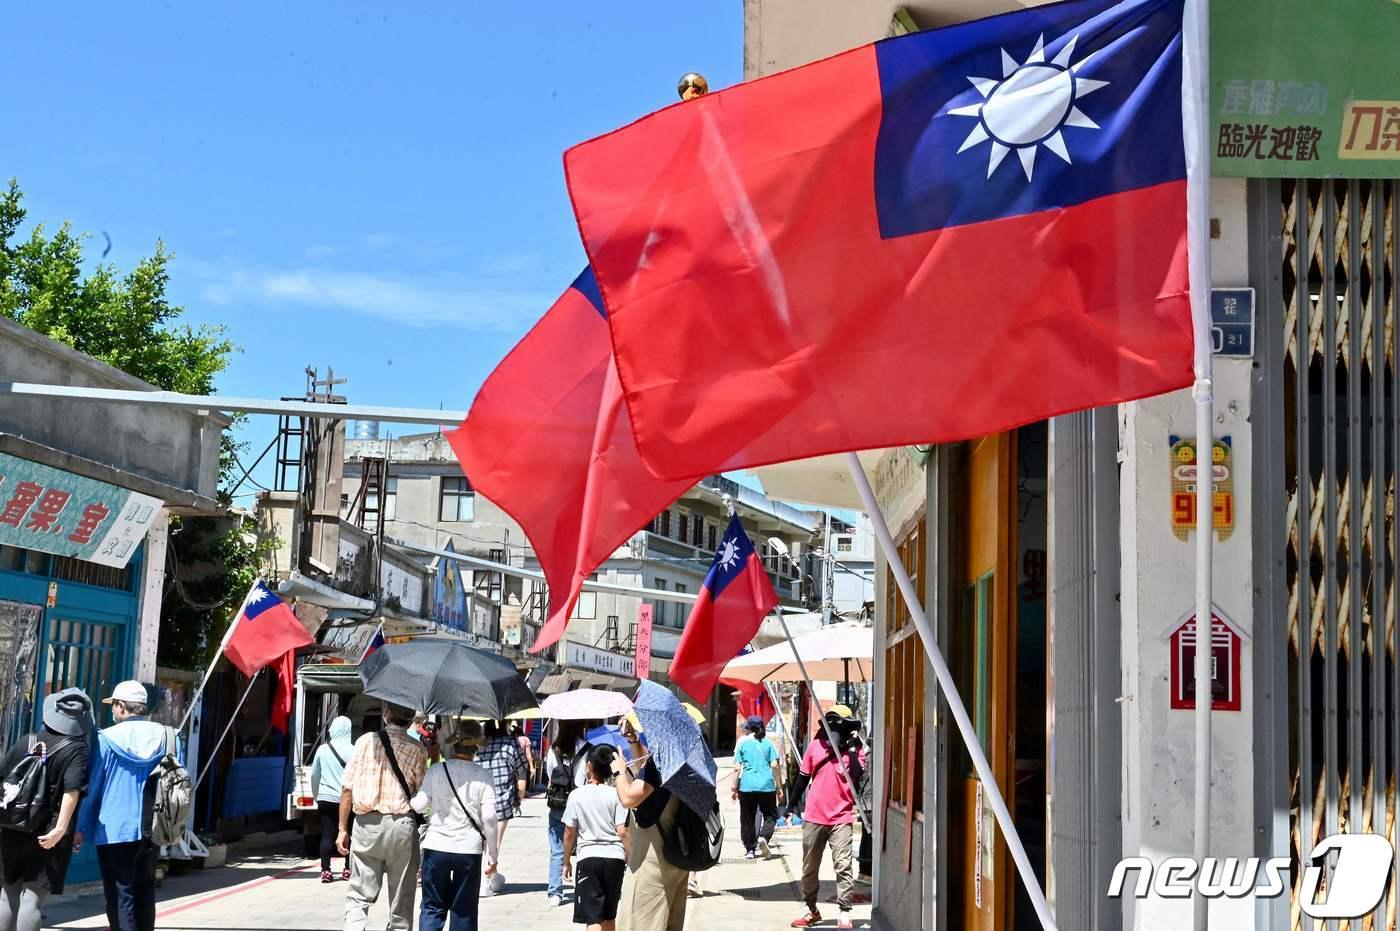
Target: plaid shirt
371,780
502,758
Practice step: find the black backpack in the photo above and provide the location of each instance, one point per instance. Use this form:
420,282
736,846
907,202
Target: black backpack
24,793
693,843
561,782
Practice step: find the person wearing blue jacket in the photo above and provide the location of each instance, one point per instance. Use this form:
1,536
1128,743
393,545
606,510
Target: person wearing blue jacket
127,754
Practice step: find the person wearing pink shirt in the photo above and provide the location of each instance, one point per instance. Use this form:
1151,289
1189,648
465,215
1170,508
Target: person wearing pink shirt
828,814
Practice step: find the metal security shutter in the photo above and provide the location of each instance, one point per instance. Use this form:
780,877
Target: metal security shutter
1327,544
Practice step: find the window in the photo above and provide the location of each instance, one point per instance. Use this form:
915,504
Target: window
712,532
682,610
665,529
391,499
683,528
586,608
661,606
905,673
458,500
697,537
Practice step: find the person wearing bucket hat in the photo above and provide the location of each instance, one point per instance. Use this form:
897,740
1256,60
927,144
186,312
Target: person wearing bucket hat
34,864
758,787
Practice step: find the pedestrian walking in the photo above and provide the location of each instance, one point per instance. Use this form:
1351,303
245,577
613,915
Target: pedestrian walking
758,788
384,773
35,862
595,826
501,756
565,768
426,733
327,773
654,891
461,800
522,740
111,814
828,815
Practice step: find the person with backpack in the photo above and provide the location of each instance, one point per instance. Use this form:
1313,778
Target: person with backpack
565,770
828,814
120,813
461,799
596,827
45,774
327,770
654,890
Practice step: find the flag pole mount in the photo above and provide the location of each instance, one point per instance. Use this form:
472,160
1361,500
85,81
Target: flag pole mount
948,685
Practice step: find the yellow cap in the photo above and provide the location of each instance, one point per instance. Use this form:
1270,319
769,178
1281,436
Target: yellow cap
841,711
695,713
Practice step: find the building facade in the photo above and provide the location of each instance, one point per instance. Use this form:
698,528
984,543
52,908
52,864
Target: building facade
86,496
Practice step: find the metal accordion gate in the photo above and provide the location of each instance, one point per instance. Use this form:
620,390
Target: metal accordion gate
1331,380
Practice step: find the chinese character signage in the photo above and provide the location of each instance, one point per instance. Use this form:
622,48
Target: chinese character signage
1232,321
1225,648
1183,487
1305,90
644,627
53,511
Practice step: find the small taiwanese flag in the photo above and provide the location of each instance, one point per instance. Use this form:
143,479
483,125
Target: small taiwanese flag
730,607
375,643
264,630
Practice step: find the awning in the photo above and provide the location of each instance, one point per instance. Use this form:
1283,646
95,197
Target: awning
340,678
553,685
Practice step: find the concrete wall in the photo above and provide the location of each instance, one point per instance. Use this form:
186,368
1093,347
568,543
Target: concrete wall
174,447
1158,573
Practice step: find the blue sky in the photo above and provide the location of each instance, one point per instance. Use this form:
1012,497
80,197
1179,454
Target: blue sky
369,186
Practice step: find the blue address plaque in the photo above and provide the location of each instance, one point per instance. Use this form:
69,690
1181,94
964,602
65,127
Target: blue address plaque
1232,321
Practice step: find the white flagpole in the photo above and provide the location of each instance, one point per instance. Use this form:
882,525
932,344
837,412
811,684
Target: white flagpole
214,660
949,687
1195,102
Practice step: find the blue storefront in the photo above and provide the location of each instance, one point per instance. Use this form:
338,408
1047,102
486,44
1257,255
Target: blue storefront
64,622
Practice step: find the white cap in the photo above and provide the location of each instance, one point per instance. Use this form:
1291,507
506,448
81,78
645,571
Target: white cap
128,691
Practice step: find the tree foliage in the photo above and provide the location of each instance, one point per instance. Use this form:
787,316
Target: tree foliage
126,320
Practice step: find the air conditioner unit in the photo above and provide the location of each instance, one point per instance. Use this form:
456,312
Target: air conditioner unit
843,543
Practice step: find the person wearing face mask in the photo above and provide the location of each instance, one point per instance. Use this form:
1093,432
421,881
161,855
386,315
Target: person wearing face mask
327,769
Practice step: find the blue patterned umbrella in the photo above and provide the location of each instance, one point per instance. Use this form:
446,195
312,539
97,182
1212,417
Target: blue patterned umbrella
677,747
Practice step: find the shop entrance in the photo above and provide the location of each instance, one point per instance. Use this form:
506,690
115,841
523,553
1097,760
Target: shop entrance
997,652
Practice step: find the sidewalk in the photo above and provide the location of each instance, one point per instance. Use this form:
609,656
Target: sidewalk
267,890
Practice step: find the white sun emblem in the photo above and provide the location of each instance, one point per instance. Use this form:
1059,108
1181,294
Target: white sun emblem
729,554
1029,105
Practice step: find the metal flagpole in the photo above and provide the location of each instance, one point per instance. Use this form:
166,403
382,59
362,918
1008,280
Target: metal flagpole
233,718
1195,107
950,694
209,672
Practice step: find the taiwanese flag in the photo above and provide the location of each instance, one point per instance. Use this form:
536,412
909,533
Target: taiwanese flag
548,441
753,698
729,608
935,237
375,643
263,631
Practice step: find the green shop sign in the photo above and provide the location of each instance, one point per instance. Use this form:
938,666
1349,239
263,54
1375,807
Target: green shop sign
1302,89
47,509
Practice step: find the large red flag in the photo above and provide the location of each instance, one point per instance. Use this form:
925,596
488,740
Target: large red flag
548,441
264,630
861,263
729,608
285,693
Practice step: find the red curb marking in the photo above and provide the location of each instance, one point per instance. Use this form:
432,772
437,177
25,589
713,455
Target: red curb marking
242,887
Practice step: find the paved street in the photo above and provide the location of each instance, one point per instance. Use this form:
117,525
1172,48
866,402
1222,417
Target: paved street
268,890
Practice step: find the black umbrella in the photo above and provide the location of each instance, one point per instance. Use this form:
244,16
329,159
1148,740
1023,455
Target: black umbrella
445,677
